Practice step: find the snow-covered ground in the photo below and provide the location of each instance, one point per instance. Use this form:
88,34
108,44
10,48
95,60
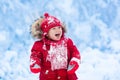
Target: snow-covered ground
94,26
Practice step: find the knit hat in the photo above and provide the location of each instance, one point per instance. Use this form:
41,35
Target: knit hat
48,23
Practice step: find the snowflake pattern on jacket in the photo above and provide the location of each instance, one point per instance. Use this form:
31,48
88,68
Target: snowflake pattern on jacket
57,55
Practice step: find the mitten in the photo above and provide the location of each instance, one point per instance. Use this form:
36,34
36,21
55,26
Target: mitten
35,65
73,65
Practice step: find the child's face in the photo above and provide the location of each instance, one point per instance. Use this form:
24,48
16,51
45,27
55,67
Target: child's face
55,33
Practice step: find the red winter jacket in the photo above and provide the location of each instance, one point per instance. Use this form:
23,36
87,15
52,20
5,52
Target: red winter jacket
52,62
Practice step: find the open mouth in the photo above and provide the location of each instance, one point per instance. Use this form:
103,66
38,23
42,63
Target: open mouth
57,35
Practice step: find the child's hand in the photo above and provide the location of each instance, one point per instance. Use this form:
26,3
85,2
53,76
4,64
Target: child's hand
35,65
73,66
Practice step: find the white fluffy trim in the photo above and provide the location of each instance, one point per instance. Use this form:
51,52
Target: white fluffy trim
76,60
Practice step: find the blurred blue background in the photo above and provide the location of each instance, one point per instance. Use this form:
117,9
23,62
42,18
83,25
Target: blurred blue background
93,25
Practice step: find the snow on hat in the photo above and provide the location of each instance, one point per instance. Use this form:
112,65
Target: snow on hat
48,23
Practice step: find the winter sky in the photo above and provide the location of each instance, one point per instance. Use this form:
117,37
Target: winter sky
93,25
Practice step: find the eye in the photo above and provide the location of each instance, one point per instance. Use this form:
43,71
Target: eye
53,28
59,27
